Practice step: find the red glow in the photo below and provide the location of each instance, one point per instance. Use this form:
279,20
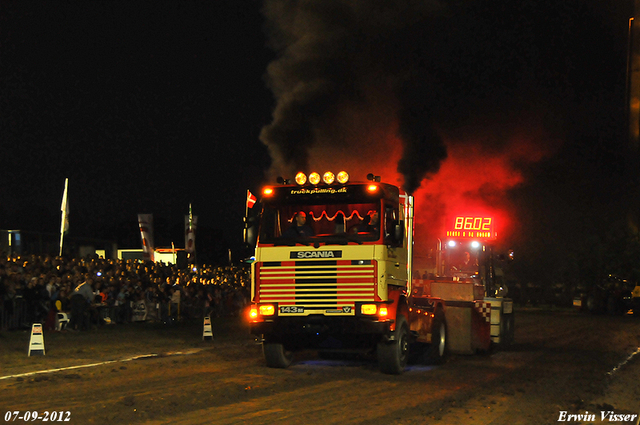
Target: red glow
481,166
473,181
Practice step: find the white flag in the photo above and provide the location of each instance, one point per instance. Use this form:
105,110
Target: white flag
64,225
64,207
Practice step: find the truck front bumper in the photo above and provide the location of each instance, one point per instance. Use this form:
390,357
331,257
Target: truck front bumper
314,331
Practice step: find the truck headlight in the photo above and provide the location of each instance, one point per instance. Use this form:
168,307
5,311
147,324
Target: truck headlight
369,309
267,310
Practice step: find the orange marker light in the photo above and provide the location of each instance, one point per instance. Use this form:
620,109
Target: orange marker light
253,312
372,188
267,191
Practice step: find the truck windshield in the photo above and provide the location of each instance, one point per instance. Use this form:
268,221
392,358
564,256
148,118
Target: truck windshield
340,223
462,262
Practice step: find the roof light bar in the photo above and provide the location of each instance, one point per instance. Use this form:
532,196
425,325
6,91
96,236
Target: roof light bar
327,178
342,177
314,178
301,178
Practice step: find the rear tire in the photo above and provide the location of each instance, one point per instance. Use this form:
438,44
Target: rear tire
614,306
393,355
507,328
277,355
437,351
596,303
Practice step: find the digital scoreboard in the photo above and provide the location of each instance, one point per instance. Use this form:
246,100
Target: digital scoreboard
471,227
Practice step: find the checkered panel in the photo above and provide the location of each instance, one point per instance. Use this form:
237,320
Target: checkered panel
484,308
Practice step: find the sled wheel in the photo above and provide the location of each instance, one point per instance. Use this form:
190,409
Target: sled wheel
437,351
507,326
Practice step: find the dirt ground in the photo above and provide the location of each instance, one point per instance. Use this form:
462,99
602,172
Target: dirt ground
563,364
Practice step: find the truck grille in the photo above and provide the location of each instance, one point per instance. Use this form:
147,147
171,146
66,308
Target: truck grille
316,284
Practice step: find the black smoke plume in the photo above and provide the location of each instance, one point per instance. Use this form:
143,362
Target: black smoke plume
332,52
454,72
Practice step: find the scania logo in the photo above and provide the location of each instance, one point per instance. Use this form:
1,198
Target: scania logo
316,254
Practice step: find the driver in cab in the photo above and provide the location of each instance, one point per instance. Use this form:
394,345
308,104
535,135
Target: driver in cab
370,224
299,228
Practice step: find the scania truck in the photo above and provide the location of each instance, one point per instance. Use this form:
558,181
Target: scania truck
333,272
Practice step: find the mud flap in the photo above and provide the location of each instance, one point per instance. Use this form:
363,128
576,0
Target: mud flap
502,321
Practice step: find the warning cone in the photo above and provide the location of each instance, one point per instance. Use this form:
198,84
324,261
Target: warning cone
207,333
36,343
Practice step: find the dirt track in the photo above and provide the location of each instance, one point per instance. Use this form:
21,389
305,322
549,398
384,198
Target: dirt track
562,361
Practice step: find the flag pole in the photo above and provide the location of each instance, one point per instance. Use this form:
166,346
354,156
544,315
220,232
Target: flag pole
192,255
64,225
246,214
250,199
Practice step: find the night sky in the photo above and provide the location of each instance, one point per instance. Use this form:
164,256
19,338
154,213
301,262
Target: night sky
148,106
145,106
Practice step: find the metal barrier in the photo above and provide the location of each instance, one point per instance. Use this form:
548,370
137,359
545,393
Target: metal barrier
21,316
14,317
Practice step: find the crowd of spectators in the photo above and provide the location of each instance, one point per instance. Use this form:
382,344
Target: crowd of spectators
33,289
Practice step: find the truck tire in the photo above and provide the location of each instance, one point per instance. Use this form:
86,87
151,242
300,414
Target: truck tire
596,302
507,327
277,355
437,351
393,355
614,307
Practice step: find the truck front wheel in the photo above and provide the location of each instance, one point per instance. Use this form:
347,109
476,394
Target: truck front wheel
392,356
277,355
437,351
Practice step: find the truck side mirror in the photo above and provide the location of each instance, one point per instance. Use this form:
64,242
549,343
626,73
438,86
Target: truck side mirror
398,232
250,231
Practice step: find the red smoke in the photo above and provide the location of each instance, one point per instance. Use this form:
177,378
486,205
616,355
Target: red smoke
481,166
473,180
